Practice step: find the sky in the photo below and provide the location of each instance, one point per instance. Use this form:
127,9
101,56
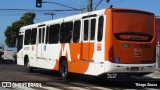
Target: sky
8,17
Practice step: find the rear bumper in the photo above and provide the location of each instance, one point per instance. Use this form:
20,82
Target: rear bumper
6,59
129,68
106,67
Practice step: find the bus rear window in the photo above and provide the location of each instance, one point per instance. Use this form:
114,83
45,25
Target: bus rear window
133,25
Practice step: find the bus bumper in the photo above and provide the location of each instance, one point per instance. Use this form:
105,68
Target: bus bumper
129,68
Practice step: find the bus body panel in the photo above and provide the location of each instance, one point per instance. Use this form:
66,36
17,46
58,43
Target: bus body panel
134,39
108,34
129,68
126,59
94,57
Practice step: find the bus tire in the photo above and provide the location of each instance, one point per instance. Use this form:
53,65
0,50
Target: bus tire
64,70
28,67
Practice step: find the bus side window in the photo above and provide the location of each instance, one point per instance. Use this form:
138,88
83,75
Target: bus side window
27,39
66,32
47,35
86,25
100,28
76,31
33,36
43,30
54,34
40,31
93,28
61,33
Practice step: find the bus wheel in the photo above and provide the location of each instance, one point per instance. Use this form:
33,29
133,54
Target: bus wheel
28,67
64,70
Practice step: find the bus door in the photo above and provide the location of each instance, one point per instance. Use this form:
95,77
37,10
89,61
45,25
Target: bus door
40,46
88,37
99,41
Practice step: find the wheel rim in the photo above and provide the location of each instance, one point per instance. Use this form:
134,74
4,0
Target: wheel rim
28,65
64,70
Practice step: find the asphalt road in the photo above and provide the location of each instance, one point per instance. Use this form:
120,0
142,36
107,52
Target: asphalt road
50,80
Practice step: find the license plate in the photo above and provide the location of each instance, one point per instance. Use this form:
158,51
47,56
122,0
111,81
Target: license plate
137,52
134,68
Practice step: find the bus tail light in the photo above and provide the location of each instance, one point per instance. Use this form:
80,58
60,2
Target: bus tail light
111,55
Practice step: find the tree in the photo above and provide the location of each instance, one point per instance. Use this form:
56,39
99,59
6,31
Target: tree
12,31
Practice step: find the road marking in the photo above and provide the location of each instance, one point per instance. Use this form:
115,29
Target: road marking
51,88
153,76
5,89
25,88
54,86
40,88
88,86
65,86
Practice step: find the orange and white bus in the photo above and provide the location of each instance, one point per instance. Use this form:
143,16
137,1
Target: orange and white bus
93,43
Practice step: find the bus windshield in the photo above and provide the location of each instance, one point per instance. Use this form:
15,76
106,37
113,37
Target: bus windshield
133,25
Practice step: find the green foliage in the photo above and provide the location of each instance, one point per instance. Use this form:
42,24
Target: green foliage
1,53
11,32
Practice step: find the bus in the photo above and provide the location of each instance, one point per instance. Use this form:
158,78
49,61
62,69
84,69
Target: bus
107,41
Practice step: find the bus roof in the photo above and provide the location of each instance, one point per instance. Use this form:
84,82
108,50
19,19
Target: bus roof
65,19
76,17
129,9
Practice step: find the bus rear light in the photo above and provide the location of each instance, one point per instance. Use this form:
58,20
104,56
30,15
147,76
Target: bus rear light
111,55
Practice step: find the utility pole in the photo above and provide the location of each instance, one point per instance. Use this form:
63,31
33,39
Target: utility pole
89,7
98,4
52,14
